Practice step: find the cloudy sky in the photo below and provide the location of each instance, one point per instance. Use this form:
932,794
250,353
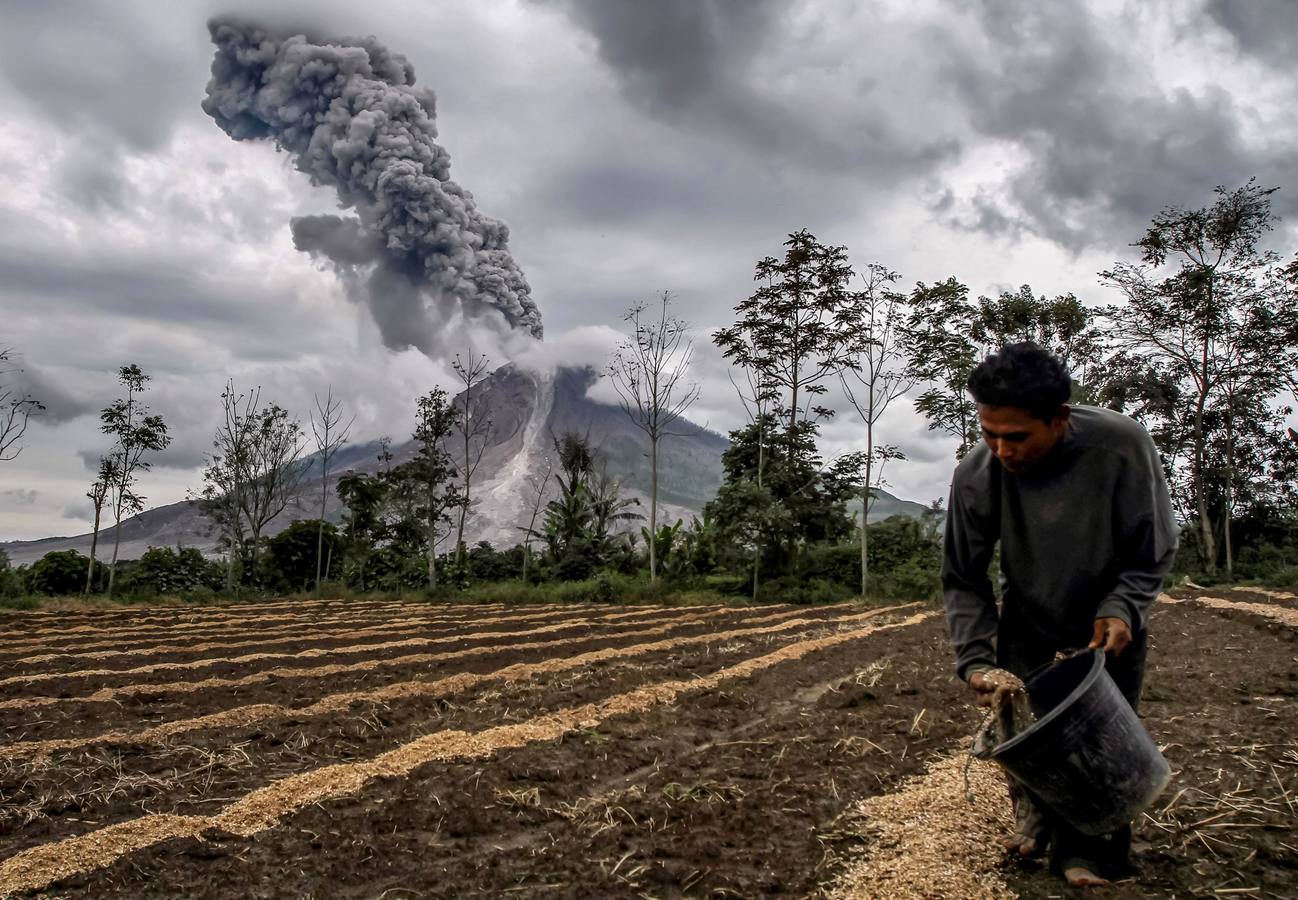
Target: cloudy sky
631,147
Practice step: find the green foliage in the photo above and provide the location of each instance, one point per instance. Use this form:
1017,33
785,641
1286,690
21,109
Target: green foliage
795,501
164,571
12,584
290,559
1205,355
946,334
578,526
58,573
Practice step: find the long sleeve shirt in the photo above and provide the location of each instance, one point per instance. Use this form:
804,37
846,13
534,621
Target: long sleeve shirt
1086,533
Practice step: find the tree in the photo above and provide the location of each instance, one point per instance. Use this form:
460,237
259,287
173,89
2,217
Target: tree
432,470
293,554
16,408
136,433
538,482
98,497
648,371
1205,333
790,338
363,496
792,330
578,524
57,573
330,434
880,375
946,334
254,471
475,430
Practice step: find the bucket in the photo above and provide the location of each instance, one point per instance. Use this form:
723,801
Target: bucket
1087,757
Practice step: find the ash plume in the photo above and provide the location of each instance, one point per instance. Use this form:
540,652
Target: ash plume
416,250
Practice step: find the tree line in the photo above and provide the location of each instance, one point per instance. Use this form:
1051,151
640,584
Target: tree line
1203,350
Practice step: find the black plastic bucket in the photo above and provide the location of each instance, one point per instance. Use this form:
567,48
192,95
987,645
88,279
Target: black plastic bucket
1087,757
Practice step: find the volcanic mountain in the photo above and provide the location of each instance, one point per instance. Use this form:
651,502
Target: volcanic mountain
527,411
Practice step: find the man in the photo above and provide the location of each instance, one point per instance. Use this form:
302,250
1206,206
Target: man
1076,498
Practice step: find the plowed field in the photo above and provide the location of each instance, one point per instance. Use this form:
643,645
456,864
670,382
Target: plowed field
349,749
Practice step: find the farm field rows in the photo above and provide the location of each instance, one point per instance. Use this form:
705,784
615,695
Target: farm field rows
353,749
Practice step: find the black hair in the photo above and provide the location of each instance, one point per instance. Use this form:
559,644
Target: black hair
1022,375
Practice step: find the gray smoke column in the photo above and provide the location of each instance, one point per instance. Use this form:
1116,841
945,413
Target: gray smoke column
416,250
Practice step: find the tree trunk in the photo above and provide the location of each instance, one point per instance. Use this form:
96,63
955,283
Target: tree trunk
865,506
94,544
319,531
653,509
319,553
1207,544
1227,506
112,569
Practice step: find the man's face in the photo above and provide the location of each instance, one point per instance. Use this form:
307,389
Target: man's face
1019,439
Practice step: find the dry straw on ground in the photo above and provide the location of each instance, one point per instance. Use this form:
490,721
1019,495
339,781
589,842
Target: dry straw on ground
927,841
308,611
314,653
1282,614
335,703
1274,595
39,866
119,692
312,631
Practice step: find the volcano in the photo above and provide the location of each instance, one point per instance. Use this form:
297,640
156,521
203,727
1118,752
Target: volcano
527,411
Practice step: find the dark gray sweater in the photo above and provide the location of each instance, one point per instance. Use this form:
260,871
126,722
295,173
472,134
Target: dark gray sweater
1087,533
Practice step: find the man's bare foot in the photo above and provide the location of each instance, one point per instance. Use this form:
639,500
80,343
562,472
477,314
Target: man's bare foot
1080,876
1024,845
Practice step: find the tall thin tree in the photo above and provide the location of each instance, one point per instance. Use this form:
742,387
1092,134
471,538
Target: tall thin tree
98,497
1204,316
254,471
879,376
432,470
474,426
136,432
648,372
330,434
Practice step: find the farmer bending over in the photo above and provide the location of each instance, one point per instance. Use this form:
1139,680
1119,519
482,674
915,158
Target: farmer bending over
1076,497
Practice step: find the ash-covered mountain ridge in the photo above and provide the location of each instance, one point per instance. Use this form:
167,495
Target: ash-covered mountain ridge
528,410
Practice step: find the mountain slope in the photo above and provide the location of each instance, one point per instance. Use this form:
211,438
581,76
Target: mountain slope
527,411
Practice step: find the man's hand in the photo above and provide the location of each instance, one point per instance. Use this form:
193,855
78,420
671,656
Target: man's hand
993,687
1112,635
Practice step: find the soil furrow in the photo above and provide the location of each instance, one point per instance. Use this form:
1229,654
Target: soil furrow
60,625
314,653
333,703
265,808
309,636
59,695
219,629
99,786
291,687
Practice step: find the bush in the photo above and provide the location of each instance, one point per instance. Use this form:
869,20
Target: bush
800,589
165,571
11,580
58,573
290,561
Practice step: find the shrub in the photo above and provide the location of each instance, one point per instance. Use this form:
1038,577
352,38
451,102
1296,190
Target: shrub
59,572
290,561
167,571
11,580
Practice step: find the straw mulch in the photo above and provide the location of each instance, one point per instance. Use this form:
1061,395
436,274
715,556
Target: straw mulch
927,841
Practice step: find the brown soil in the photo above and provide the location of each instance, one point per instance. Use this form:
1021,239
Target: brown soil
715,768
